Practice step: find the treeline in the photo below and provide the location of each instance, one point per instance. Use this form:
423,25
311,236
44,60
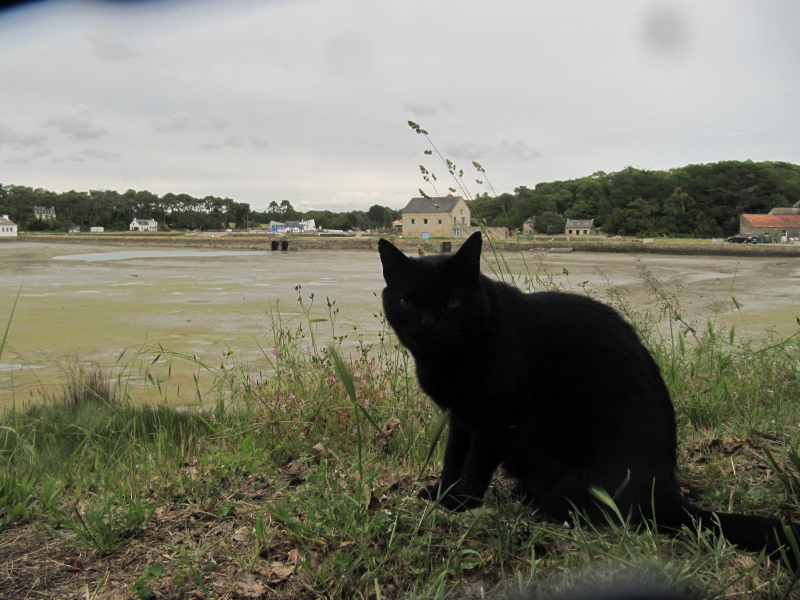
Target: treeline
693,201
114,211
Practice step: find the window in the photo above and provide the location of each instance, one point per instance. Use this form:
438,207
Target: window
456,233
440,221
412,221
424,221
569,231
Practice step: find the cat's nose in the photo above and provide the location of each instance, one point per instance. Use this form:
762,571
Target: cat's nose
427,321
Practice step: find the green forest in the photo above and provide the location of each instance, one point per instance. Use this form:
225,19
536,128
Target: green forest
693,201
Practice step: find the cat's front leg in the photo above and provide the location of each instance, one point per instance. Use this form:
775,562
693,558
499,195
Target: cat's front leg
467,470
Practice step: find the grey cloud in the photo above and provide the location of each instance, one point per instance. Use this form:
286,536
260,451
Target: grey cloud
40,152
89,154
19,160
76,122
518,150
258,142
11,136
182,122
513,149
215,123
235,140
467,151
176,123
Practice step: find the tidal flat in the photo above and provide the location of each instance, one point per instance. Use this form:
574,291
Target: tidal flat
137,313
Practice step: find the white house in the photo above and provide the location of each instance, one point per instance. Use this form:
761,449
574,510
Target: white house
292,226
44,213
143,225
7,228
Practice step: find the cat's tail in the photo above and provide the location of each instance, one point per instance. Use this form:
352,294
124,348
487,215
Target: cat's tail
753,533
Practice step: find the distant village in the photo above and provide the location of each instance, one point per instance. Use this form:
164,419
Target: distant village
449,217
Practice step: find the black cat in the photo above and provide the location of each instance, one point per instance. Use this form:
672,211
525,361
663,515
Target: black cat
555,387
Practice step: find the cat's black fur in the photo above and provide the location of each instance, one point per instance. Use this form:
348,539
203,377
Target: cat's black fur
555,387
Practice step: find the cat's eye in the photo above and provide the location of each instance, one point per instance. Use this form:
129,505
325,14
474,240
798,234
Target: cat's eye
407,304
453,302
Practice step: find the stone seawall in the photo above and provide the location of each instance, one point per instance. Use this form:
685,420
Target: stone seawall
261,242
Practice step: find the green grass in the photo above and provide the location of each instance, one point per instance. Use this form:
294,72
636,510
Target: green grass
301,483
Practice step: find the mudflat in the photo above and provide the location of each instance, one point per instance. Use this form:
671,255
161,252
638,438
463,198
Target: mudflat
138,310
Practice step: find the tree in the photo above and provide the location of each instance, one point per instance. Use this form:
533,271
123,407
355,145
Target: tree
378,216
550,223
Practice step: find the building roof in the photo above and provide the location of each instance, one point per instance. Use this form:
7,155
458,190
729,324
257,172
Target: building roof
4,221
441,204
773,220
580,223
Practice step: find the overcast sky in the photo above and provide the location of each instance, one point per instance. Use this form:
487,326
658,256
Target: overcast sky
307,100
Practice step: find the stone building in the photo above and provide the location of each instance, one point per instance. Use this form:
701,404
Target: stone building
781,224
442,217
579,227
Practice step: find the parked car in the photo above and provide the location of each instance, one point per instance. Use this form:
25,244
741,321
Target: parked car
743,238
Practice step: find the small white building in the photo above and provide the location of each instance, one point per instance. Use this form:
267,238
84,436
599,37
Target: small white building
292,226
7,228
44,213
143,225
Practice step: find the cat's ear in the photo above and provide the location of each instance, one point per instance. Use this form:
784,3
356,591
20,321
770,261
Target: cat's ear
393,260
468,257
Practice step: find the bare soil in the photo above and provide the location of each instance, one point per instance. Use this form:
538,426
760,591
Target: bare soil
210,304
91,309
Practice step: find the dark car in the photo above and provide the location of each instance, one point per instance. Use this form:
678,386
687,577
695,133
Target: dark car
743,238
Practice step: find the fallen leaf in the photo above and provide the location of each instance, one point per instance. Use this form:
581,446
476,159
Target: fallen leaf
249,587
76,565
295,557
728,447
292,473
241,535
322,453
374,504
390,427
280,572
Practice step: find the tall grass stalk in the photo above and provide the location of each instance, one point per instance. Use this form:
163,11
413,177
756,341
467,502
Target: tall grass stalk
498,266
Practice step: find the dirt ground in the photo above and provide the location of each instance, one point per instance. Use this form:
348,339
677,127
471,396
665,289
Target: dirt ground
208,304
81,302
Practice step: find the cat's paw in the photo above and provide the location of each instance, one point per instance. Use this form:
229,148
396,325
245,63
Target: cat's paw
429,492
450,501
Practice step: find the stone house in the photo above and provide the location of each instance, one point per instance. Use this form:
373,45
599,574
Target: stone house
442,217
781,227
7,228
579,227
528,227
